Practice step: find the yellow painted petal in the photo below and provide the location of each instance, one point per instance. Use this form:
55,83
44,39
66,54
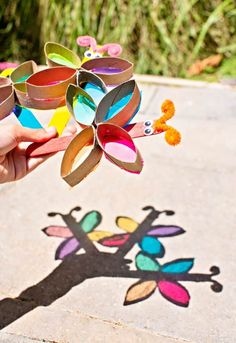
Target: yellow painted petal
140,291
97,235
60,119
127,224
7,72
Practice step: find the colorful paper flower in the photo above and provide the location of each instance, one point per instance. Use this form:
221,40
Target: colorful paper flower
102,119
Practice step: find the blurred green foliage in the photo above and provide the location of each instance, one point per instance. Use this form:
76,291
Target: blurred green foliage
160,37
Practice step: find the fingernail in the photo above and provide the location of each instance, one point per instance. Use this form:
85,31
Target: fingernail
51,129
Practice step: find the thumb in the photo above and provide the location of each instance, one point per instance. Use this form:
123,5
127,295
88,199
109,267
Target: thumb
23,134
11,136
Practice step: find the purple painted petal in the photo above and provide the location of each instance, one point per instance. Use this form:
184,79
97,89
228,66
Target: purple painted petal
67,247
165,231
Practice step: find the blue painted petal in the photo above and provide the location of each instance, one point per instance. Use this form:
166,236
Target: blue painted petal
95,92
152,246
26,117
118,106
182,265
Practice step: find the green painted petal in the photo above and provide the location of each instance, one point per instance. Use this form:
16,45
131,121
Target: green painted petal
90,221
144,262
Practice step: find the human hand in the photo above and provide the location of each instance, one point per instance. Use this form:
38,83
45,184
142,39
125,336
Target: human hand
14,164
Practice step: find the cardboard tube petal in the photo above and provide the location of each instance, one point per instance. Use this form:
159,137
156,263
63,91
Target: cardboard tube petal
50,83
40,104
112,70
119,147
23,71
119,105
92,84
75,151
7,100
4,82
81,105
58,55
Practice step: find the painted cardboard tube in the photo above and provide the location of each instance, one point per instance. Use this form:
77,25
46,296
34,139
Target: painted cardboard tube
124,69
23,71
4,82
84,139
53,50
85,76
50,83
39,104
71,93
135,130
7,101
119,147
126,113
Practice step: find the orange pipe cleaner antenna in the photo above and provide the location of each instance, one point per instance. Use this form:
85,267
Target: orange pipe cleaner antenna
172,136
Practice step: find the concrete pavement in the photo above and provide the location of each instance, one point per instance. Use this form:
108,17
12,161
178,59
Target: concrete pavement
76,302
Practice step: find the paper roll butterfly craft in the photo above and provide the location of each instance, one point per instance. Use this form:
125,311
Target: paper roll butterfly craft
83,91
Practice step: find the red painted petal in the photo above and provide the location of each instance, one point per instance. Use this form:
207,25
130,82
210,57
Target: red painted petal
115,240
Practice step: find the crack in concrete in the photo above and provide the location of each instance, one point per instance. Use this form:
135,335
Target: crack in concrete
31,338
125,326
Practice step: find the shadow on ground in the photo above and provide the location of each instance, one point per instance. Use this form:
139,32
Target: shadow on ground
74,269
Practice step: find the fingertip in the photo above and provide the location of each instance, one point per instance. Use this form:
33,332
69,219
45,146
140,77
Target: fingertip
71,129
51,130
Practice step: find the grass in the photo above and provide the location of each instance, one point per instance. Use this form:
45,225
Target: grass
160,37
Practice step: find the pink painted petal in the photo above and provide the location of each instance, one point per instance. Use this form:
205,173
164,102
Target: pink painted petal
119,147
58,231
68,247
174,292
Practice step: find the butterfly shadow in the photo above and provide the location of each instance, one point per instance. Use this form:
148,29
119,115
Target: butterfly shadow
91,263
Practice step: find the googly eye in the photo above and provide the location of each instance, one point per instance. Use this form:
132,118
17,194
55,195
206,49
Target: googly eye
148,123
148,131
88,54
97,55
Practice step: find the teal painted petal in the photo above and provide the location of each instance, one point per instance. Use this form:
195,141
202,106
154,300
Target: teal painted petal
144,262
90,221
152,246
182,265
84,109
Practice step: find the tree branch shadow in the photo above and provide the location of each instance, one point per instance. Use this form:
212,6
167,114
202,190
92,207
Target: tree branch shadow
75,269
